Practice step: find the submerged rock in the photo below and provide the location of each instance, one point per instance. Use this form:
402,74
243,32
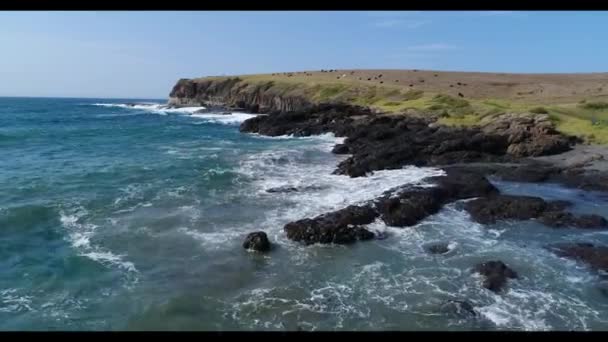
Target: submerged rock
594,256
438,248
460,308
257,241
496,274
560,219
282,189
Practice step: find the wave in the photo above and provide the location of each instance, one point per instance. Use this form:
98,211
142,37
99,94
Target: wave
161,109
12,302
80,234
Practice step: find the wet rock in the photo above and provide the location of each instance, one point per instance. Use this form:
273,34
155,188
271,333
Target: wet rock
559,205
257,241
496,274
488,210
594,256
560,219
459,308
380,235
410,207
438,248
340,227
340,149
282,189
407,206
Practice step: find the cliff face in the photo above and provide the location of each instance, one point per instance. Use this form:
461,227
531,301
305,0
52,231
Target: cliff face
236,93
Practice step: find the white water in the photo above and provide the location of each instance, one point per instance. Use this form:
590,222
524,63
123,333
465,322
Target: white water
161,109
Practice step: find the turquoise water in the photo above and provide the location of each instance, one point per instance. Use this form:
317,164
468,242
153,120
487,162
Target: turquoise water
115,217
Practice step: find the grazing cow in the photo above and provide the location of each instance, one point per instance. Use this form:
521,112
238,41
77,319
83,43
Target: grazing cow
381,82
435,75
396,80
451,86
411,85
460,94
421,81
458,83
369,79
379,76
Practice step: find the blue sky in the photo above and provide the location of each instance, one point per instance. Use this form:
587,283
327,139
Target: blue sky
142,54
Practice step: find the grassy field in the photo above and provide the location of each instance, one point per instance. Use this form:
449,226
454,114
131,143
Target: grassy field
578,104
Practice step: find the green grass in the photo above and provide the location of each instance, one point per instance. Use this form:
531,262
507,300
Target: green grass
586,119
539,110
595,105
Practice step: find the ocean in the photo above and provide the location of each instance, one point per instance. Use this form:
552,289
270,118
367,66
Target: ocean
117,217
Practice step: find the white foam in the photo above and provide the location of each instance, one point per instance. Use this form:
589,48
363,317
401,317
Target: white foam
161,109
105,257
228,119
11,301
151,107
211,240
80,234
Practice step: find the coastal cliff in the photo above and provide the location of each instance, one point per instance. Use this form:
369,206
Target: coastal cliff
236,93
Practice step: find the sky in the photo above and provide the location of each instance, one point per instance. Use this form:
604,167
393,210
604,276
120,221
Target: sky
142,54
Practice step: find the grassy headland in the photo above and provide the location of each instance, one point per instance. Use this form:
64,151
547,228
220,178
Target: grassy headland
577,103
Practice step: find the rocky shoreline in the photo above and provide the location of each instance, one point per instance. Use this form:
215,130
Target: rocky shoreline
522,147
517,147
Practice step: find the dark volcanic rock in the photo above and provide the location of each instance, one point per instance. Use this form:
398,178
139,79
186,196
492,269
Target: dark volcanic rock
341,227
340,149
438,248
488,210
257,241
380,142
496,274
592,255
409,205
560,219
282,189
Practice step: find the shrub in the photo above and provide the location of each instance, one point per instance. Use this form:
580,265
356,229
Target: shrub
595,105
539,110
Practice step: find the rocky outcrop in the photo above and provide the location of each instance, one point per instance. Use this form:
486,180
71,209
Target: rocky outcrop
378,142
594,256
528,134
237,94
488,210
400,207
339,227
257,241
496,274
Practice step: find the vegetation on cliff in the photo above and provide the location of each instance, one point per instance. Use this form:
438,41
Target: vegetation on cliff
582,113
